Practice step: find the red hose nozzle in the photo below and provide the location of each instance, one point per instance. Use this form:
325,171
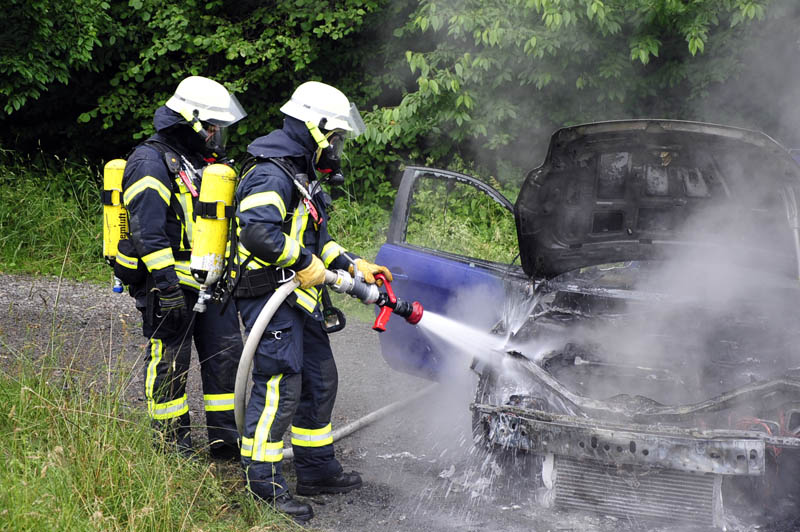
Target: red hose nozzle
412,312
416,313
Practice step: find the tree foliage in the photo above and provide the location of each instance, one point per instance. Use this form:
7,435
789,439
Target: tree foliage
259,50
474,84
42,43
497,76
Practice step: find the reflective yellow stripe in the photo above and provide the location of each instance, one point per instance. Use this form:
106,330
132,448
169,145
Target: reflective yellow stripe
291,251
169,410
247,447
330,251
289,255
263,198
185,276
307,298
142,185
254,264
160,259
263,450
185,199
218,402
312,437
126,261
156,352
269,451
299,223
193,121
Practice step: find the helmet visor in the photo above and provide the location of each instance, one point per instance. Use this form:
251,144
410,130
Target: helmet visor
225,116
351,123
355,121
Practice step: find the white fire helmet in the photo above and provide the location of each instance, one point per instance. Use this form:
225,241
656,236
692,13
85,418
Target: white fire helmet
324,106
206,100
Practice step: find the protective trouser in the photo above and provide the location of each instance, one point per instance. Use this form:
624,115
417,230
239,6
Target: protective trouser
294,385
218,341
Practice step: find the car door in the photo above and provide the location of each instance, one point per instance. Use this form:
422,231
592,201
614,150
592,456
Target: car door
452,246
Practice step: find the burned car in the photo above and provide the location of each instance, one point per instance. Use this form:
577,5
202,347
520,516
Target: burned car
650,361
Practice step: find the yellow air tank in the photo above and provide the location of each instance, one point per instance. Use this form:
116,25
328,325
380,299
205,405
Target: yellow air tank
214,209
115,218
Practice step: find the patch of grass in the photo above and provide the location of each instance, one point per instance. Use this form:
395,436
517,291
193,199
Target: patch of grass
359,227
75,457
49,207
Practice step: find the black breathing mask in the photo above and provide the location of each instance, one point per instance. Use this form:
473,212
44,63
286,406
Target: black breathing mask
216,137
210,139
328,157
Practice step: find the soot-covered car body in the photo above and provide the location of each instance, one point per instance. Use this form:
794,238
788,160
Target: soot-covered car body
651,343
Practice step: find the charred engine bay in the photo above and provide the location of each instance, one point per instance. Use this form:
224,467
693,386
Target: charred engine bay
643,350
619,383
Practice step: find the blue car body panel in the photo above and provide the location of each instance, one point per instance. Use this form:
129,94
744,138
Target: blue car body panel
436,279
436,283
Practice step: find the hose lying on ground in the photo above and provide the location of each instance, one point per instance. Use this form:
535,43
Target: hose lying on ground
362,422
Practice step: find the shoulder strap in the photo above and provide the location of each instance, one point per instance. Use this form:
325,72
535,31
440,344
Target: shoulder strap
252,160
249,162
170,154
285,165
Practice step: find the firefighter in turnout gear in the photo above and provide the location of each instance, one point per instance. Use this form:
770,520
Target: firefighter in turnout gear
282,218
160,191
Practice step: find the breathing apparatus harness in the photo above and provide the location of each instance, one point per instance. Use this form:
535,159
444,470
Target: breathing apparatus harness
128,267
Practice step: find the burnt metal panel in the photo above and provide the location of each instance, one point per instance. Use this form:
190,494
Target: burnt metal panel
722,455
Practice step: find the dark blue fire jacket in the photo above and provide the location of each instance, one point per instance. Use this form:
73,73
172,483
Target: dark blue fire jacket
160,204
274,225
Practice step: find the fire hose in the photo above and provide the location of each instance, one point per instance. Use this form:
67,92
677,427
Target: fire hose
342,282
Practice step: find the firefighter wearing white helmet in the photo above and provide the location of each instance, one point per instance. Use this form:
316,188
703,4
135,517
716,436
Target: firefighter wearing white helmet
209,109
325,106
161,184
282,227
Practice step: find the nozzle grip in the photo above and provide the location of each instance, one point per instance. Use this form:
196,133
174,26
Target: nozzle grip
382,319
386,310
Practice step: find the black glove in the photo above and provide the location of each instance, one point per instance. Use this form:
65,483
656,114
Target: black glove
171,299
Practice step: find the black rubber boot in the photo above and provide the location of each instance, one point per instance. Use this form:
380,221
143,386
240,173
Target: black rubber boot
225,452
341,483
300,512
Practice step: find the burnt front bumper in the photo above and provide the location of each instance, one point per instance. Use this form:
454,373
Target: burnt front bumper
641,472
711,451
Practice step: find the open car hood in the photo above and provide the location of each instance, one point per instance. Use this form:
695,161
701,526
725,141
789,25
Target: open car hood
644,189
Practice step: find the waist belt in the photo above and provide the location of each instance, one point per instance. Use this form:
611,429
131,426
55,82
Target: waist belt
258,282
